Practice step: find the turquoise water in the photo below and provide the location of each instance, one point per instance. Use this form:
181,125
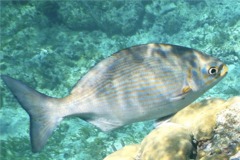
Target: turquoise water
51,44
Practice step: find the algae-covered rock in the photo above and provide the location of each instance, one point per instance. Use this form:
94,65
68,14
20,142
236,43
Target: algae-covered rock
214,124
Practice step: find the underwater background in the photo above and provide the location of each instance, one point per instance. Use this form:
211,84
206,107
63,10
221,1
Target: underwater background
51,44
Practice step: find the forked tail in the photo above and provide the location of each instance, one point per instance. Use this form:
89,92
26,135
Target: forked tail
43,119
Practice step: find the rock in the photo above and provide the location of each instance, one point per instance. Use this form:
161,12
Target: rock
226,133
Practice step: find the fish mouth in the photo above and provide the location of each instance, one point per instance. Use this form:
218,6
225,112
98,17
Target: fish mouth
224,70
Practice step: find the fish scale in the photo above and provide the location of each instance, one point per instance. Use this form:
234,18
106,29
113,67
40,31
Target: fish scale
139,83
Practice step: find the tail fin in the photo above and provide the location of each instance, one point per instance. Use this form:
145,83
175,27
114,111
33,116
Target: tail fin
43,120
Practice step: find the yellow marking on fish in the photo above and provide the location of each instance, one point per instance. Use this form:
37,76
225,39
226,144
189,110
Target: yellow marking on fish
186,89
224,70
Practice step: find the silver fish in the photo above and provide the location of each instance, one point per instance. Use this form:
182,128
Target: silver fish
135,84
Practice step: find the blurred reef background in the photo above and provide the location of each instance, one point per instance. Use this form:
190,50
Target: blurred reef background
51,44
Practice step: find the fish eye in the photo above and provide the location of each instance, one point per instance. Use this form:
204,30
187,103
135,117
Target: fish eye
212,71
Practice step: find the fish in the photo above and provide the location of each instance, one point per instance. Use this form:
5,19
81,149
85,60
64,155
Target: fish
139,83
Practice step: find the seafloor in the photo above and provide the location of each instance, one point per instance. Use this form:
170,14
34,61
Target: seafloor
51,44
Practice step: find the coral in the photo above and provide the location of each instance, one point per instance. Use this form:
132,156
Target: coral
169,141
